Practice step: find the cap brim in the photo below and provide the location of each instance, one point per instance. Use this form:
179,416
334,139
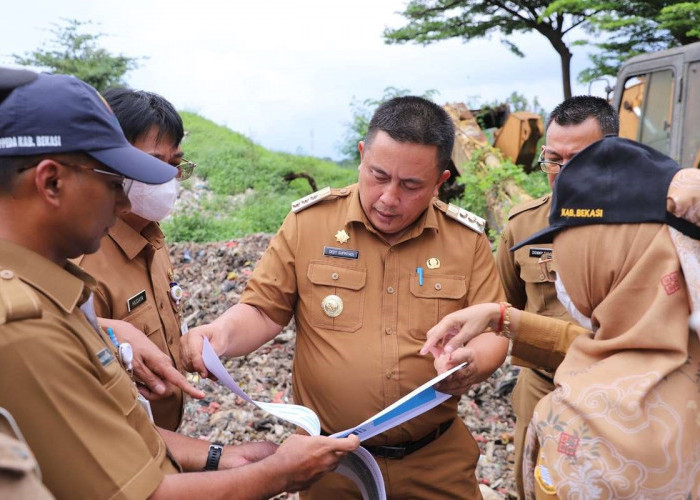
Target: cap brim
135,164
546,235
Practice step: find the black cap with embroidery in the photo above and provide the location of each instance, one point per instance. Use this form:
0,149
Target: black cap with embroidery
612,181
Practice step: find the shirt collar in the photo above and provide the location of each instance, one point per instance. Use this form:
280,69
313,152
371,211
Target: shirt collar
67,286
132,242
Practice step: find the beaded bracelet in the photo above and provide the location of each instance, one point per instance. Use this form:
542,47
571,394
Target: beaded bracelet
504,320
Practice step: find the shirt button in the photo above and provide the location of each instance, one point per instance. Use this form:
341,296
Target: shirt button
335,276
438,286
388,374
6,274
541,277
343,191
389,331
390,289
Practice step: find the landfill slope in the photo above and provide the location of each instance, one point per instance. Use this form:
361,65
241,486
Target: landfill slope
213,276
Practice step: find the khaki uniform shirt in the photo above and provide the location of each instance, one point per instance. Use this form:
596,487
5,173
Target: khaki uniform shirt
20,478
349,367
126,264
74,403
528,285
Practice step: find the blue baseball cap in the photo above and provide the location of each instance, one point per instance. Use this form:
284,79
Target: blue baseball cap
10,79
612,181
62,114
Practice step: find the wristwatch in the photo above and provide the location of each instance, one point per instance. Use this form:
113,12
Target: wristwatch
213,456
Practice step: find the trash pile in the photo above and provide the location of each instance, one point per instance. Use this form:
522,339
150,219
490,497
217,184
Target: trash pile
213,276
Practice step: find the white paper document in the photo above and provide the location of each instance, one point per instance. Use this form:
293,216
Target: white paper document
360,466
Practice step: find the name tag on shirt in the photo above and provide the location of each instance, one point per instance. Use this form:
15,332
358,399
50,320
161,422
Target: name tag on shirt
105,357
539,252
136,300
340,252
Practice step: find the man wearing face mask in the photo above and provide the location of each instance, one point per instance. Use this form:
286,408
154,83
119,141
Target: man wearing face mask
573,125
137,295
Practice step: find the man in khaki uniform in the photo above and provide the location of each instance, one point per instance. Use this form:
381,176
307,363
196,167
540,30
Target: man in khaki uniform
64,165
132,266
366,270
20,477
526,276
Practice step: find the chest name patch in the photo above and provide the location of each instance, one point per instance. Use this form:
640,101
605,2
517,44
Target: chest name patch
539,252
342,253
105,357
136,300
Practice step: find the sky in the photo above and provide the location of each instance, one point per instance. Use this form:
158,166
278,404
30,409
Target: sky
284,72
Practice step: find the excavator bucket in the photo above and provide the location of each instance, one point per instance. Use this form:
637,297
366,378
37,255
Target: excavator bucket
517,138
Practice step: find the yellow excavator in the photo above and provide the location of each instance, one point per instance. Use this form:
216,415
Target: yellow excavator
658,98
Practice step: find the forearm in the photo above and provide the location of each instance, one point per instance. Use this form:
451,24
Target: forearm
542,341
192,453
259,480
491,351
245,329
113,324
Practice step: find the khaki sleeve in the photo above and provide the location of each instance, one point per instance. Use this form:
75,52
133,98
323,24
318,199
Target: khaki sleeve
273,286
101,295
542,342
484,285
509,271
78,429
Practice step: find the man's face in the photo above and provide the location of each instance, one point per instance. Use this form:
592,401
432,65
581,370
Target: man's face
93,201
564,141
397,181
164,149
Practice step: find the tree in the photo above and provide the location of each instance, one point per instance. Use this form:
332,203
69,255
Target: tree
362,112
73,52
633,27
433,20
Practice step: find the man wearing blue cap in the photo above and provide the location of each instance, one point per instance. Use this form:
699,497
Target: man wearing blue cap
65,169
20,475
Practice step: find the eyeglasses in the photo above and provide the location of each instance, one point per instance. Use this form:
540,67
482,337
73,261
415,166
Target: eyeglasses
549,166
185,169
123,181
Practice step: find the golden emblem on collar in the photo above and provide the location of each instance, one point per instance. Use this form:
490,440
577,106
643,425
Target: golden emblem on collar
342,236
332,305
433,263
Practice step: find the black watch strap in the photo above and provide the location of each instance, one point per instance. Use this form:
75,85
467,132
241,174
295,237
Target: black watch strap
213,456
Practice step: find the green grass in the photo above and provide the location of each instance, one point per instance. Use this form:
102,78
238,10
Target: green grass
230,164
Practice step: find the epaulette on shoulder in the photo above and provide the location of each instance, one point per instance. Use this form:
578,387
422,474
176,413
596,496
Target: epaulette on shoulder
320,195
18,301
528,205
464,217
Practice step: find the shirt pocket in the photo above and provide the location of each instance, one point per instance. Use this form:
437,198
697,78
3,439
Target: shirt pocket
345,282
541,294
146,319
436,298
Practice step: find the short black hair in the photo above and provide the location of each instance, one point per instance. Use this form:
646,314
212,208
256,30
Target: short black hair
577,109
138,111
9,171
11,166
416,120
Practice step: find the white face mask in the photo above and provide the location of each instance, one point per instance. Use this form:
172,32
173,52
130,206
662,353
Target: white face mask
153,202
565,300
